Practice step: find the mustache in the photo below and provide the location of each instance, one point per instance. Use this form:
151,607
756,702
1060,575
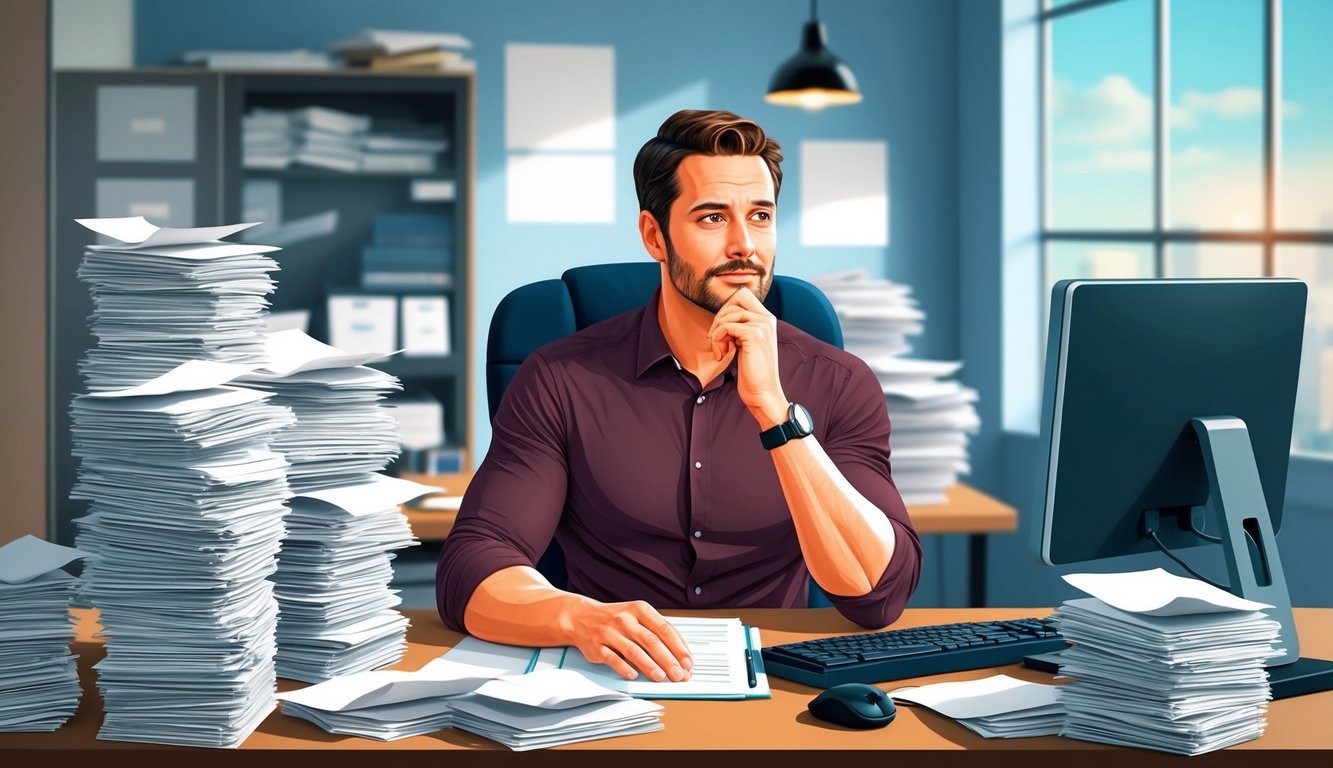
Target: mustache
737,265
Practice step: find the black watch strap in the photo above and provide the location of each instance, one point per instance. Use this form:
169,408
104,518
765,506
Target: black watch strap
798,425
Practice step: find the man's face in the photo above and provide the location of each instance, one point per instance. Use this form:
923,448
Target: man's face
722,227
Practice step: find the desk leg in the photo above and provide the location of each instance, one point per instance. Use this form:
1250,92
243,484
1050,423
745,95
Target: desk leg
976,565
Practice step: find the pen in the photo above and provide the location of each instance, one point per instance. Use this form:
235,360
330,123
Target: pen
749,668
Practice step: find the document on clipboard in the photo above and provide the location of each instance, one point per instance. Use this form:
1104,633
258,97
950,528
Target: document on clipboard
727,662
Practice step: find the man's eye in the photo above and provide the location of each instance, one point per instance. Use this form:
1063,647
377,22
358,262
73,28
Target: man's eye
713,218
762,216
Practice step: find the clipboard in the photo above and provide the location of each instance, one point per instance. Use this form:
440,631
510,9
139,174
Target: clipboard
743,658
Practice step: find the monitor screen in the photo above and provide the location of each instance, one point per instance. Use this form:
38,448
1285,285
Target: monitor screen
1128,364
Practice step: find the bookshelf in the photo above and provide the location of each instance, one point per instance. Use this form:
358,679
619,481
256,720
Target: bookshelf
168,144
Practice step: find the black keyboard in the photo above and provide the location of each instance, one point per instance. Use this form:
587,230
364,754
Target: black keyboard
895,654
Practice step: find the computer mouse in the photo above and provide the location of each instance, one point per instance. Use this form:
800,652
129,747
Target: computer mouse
855,705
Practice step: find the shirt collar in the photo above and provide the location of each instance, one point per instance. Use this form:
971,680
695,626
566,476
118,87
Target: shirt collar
653,347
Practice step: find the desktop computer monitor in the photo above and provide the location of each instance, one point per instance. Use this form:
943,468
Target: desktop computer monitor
1166,424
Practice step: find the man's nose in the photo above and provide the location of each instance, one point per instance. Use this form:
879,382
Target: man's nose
739,242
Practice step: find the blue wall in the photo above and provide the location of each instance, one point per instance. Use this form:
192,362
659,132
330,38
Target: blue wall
950,87
686,53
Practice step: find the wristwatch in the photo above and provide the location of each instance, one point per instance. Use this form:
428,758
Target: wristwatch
798,424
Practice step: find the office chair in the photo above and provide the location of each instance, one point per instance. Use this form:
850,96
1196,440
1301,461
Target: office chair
535,314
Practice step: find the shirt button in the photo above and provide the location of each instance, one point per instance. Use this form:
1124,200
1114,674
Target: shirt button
698,465
700,401
698,590
697,534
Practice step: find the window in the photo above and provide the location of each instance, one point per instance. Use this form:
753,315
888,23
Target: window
1194,138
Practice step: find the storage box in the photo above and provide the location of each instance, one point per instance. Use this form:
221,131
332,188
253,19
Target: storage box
425,325
363,323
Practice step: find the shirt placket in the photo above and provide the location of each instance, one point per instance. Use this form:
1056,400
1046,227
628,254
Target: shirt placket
703,421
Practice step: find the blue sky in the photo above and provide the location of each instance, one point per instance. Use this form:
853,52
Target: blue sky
1102,90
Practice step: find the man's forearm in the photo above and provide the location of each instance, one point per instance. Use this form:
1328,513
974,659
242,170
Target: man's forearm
847,541
518,606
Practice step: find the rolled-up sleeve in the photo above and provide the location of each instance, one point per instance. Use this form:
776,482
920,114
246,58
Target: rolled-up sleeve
857,441
513,504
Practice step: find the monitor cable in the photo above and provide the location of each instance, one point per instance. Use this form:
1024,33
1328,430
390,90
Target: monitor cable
1151,531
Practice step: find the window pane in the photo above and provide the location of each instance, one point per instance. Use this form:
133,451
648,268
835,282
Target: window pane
1099,156
1214,260
1313,429
1215,173
1305,187
1099,260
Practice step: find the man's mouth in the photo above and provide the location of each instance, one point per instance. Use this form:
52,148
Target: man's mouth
738,277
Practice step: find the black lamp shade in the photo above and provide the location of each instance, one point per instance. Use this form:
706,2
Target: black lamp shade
814,78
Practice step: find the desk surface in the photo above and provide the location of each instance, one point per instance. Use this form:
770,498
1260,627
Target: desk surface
774,726
967,511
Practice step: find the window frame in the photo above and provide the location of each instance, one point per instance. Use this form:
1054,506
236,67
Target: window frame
1159,236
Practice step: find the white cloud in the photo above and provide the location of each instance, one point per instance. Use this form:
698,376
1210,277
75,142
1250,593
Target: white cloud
1111,112
1113,160
1229,102
1194,157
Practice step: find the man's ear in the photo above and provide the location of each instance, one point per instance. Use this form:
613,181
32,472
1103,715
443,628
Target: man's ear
653,238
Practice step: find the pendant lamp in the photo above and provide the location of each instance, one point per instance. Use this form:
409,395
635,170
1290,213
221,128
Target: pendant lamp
814,78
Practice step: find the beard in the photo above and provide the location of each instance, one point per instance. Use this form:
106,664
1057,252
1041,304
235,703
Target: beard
689,284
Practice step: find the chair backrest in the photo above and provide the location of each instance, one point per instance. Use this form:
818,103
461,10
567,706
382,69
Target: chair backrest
536,314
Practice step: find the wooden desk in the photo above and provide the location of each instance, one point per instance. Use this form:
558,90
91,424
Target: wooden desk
967,511
777,729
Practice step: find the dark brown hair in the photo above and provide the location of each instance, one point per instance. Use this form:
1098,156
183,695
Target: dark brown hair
696,132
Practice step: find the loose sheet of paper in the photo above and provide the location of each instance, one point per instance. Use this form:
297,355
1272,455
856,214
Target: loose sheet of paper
28,557
989,696
190,376
376,494
441,677
1158,593
548,689
136,232
292,351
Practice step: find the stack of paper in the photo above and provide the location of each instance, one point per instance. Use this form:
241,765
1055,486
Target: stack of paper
295,59
1164,662
266,139
549,708
995,707
526,711
392,50
39,680
186,499
338,613
344,432
164,296
931,413
340,141
186,507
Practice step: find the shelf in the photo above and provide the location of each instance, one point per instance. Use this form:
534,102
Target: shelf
420,367
324,174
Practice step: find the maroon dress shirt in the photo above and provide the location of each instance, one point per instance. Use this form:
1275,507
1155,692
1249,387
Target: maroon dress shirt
658,489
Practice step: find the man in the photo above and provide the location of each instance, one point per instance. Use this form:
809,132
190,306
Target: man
664,450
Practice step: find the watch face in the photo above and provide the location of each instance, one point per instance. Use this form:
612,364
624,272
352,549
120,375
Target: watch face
801,418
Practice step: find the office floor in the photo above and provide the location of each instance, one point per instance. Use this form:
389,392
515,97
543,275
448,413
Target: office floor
414,575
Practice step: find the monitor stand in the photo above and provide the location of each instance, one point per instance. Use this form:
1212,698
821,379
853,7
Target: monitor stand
1236,500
